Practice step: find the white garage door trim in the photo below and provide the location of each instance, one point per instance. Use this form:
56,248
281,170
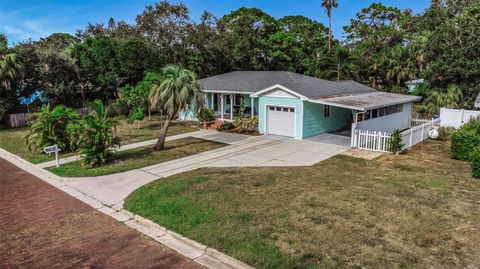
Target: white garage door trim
294,134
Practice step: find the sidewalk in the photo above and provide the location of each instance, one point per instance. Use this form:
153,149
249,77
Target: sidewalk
125,147
43,227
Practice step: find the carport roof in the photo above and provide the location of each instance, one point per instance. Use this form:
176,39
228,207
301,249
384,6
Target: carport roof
367,101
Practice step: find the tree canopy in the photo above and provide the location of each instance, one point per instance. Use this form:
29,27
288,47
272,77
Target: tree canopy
384,47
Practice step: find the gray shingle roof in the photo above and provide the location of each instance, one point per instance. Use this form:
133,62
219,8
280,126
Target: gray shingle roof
253,81
369,100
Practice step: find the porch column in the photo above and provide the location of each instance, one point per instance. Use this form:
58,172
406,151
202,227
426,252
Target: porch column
252,107
213,105
221,105
231,105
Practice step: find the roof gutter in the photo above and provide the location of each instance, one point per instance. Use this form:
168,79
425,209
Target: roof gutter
335,104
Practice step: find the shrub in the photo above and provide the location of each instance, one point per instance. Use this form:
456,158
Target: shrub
444,133
97,137
50,127
136,114
475,162
205,114
227,125
396,144
246,124
464,139
462,143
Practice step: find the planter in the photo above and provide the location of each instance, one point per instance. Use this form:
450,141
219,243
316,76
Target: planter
207,124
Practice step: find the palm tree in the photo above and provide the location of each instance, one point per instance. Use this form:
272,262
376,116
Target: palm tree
328,5
438,98
398,65
342,65
9,66
178,91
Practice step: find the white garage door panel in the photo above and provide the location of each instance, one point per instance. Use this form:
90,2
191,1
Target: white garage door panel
281,120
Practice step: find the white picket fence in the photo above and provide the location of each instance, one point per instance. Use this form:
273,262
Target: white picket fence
456,117
380,141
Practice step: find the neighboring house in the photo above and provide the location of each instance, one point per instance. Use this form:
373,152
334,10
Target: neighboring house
414,83
294,105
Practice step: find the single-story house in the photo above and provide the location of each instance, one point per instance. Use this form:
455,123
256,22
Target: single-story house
299,106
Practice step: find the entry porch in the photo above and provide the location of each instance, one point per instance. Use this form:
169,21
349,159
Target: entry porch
228,106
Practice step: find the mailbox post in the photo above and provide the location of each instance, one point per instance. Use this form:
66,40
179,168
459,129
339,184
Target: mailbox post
55,149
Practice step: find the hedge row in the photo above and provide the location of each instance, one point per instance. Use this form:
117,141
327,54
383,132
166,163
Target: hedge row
465,145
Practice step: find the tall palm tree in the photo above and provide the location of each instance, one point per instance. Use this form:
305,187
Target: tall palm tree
178,91
342,65
398,65
328,5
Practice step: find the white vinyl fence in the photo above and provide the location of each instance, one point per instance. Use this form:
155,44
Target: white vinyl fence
456,117
380,141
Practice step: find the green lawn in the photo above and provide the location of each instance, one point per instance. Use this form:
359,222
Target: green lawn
129,133
417,210
140,157
13,139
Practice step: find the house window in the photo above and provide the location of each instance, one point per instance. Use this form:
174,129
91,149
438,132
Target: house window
366,116
359,117
374,113
271,108
238,99
229,98
326,111
285,109
292,109
400,108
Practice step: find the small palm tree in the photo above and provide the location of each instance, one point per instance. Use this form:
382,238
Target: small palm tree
342,65
438,98
328,5
9,64
96,135
178,91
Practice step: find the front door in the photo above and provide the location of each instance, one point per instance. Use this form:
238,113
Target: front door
216,102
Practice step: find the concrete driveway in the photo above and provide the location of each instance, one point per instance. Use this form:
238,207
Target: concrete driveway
288,152
243,151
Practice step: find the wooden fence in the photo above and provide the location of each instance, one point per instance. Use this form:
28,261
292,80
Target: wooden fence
21,119
380,141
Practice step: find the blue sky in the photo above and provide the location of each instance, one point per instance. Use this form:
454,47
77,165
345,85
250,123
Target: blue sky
23,19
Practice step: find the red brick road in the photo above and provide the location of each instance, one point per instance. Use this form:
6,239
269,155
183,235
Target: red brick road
43,227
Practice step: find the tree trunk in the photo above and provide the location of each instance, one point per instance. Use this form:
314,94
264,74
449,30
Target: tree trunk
338,72
329,32
160,145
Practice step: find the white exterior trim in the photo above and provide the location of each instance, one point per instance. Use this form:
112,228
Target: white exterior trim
265,121
335,104
228,92
301,122
278,86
